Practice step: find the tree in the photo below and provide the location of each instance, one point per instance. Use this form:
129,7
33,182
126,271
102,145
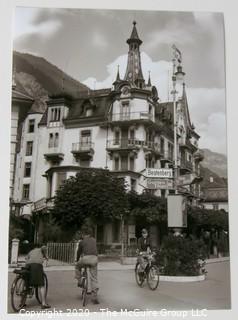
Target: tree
148,207
207,218
92,194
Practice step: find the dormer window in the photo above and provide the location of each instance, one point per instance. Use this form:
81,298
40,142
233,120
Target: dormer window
88,112
55,114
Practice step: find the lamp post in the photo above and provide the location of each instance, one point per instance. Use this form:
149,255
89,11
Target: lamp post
178,76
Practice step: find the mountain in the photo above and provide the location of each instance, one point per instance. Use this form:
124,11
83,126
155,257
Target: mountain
38,78
216,162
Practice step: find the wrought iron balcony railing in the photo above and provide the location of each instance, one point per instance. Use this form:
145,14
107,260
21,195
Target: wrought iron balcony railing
82,146
144,115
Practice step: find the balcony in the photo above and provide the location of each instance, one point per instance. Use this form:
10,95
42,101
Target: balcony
185,166
83,150
198,155
166,156
132,145
54,155
131,116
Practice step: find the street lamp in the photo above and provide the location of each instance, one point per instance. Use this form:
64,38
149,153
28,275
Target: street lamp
178,76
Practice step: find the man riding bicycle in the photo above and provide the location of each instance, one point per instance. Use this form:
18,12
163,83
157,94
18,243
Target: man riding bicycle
87,256
143,249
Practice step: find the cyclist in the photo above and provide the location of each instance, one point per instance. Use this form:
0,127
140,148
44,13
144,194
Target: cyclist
34,263
87,255
143,249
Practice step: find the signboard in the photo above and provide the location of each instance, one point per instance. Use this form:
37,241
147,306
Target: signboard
186,179
159,184
177,211
158,173
40,204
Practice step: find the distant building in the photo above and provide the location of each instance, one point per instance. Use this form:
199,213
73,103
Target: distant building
215,195
124,128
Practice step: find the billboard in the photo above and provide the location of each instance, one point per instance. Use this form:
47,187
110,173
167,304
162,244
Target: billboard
177,211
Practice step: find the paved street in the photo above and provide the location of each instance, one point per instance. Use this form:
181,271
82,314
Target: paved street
118,290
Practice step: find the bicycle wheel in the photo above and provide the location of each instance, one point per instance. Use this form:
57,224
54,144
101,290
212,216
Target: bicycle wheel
18,293
140,276
84,290
153,277
38,294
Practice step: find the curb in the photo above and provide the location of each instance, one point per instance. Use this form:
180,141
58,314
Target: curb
183,279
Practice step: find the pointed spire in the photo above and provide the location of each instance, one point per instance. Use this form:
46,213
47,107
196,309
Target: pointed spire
118,73
14,77
149,81
134,35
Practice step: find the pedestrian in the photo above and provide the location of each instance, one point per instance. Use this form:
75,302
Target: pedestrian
87,255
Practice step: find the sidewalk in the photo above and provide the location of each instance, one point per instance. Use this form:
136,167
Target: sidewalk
55,265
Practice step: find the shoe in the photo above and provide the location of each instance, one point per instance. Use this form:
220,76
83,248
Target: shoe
23,305
45,306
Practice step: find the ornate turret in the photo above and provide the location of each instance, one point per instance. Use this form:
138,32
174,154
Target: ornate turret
134,71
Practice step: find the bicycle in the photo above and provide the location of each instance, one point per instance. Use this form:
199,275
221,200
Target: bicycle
149,273
84,281
20,290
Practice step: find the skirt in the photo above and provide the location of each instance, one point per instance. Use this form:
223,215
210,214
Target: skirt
36,274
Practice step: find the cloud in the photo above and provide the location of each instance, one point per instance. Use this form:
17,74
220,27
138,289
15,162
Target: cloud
28,23
206,105
99,40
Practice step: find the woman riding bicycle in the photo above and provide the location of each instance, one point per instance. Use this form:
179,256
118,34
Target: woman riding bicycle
34,263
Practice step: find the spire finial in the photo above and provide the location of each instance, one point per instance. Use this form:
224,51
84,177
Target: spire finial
134,22
14,77
118,73
149,81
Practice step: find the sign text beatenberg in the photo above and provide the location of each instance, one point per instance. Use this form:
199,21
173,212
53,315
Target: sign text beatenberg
159,173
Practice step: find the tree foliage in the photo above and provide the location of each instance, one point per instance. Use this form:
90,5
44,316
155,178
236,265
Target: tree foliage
92,193
148,207
208,218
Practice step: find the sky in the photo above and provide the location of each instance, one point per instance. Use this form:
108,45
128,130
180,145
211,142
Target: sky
90,44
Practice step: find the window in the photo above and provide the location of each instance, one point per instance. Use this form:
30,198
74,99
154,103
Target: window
132,164
117,137
133,184
170,151
125,110
215,206
149,162
29,148
116,164
56,142
89,112
86,137
85,163
132,134
162,145
124,163
55,114
26,191
61,177
27,172
163,193
31,125
53,140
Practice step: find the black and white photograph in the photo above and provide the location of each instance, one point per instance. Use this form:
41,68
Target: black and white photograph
118,192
